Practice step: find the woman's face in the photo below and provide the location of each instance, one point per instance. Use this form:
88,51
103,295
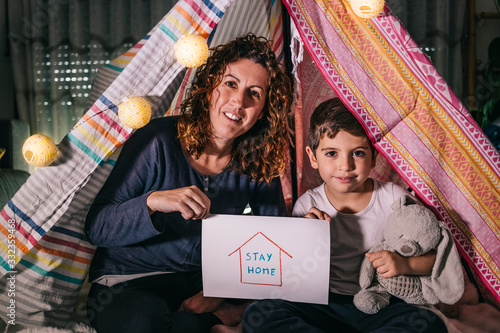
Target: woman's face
237,102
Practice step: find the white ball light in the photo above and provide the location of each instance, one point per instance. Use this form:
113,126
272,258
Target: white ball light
135,112
191,50
39,150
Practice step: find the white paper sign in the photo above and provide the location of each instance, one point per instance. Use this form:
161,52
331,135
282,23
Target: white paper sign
256,257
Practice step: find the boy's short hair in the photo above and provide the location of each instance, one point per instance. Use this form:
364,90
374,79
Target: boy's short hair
331,117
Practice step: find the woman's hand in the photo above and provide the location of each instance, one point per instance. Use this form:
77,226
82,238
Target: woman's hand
315,213
190,201
200,304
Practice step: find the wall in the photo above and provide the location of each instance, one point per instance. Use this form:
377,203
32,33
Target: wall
7,96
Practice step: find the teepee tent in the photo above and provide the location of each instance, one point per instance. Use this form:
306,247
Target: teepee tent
373,65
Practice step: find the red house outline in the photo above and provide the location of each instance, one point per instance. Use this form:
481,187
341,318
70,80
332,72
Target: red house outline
280,263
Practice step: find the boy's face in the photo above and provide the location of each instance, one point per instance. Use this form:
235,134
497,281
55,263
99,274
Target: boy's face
344,162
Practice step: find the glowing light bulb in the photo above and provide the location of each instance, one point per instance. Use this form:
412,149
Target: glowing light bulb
135,112
191,50
39,150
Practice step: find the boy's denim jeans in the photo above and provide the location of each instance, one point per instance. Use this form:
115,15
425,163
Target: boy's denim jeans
340,315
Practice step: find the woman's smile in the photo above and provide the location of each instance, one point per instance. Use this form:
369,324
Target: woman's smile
232,116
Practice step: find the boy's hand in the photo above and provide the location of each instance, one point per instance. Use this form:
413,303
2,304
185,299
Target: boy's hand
315,213
388,264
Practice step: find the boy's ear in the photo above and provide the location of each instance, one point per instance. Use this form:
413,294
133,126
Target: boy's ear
374,157
312,157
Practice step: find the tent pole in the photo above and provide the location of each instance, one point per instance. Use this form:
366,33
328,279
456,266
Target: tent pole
288,64
472,56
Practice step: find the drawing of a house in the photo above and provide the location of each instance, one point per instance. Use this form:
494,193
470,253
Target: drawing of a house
260,261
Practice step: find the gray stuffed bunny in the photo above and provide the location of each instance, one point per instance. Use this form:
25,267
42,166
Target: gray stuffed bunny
412,230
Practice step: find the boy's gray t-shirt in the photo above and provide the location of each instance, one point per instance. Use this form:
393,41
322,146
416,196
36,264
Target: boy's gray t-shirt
352,235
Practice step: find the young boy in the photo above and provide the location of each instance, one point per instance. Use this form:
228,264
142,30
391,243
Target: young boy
357,207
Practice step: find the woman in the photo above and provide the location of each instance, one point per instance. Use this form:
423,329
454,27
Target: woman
224,151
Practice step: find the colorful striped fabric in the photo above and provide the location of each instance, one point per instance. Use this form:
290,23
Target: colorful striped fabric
276,29
417,122
45,255
109,72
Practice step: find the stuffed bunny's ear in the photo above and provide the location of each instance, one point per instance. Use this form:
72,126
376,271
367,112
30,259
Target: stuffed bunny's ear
447,274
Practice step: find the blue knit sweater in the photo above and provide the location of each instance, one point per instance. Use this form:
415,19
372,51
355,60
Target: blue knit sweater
129,240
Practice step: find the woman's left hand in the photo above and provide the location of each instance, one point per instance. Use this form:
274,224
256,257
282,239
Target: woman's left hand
200,304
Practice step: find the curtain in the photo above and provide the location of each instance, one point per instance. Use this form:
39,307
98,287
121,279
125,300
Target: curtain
57,47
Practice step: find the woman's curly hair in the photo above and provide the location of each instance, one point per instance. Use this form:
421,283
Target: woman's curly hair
260,152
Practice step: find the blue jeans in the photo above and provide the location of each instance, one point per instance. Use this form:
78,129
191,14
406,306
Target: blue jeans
340,315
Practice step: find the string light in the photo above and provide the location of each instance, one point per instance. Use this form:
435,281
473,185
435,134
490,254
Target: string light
135,112
39,150
191,50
